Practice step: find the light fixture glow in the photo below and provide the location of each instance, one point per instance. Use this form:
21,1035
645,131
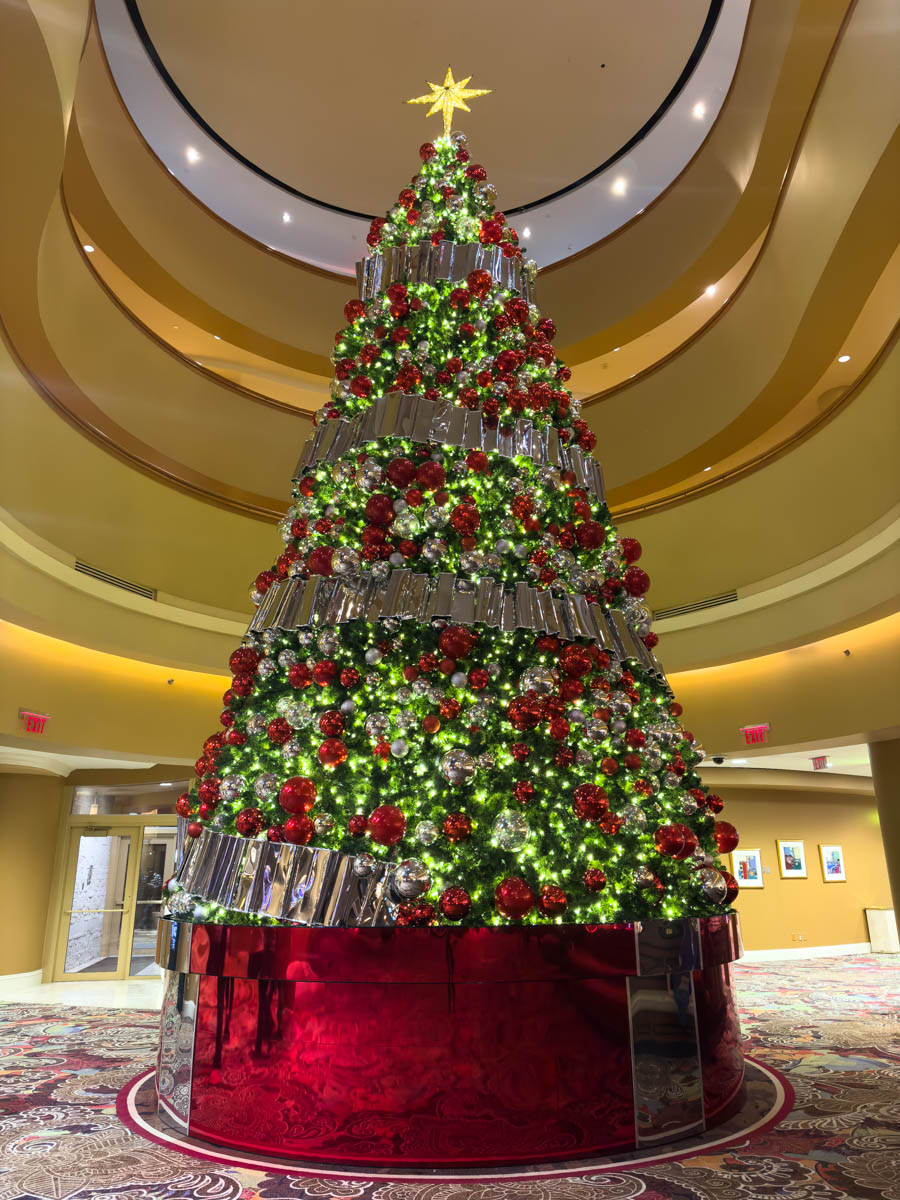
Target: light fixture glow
192,154
619,186
698,112
711,290
88,248
526,232
216,336
843,358
286,217
705,469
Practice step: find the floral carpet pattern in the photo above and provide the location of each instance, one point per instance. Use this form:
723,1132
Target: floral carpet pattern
832,1026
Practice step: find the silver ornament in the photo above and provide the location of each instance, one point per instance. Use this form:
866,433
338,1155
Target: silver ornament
324,823
299,714
399,747
328,642
459,679
292,749
643,877
363,864
348,707
486,761
286,659
267,666
265,785
380,571
458,767
542,680
342,472
510,829
232,786
433,549
256,725
346,561
411,879
377,724
470,561
372,680
427,833
373,656
595,730
407,525
583,758
436,517
404,695
713,884
369,476
634,817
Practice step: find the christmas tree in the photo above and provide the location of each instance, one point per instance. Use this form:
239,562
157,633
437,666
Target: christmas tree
451,666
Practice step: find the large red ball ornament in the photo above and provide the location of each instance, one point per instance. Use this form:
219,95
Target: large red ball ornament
332,752
457,827
324,672
194,829
279,731
331,723
243,685
524,713
479,283
465,519
513,898
300,676
590,535
431,476
594,879
387,825
380,509
249,822
244,661
353,310
183,805
208,791
427,151
590,802
631,549
714,803
275,833
297,795
575,661
401,472
455,641
318,561
455,903
298,830
725,834
636,581
552,900
731,886
609,766
357,825
675,841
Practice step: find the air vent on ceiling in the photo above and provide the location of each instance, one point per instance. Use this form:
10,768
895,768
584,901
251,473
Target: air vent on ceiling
680,610
105,577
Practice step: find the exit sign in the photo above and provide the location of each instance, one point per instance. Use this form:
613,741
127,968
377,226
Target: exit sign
755,735
33,722
820,764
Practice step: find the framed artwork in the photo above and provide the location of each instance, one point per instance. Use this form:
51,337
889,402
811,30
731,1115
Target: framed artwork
791,860
833,867
746,867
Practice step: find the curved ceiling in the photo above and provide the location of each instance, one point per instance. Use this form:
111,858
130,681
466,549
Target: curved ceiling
635,90
180,361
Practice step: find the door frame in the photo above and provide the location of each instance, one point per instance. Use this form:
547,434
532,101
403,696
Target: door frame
56,934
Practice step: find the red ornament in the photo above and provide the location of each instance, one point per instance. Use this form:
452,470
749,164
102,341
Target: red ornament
590,802
450,708
524,712
350,677
575,660
558,728
194,829
332,752
297,795
300,676
331,723
401,472
353,310
361,386
611,824
594,879
478,679
636,581
244,661
609,766
249,822
427,151
298,830
183,805
455,903
513,898
380,509
457,827
479,283
387,825
431,724
431,476
275,833
519,751
631,549
552,900
324,672
208,791
279,731
318,561
456,641
465,519
732,888
714,803
725,834
523,791
675,841
357,825
590,535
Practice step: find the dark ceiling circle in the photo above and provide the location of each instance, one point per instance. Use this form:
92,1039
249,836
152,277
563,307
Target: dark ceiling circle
709,24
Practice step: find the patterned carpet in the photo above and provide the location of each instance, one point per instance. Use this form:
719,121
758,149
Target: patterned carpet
830,1025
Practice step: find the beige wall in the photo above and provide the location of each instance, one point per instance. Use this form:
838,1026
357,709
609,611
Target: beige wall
826,914
29,819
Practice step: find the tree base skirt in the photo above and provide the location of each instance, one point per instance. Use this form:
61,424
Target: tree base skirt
445,1046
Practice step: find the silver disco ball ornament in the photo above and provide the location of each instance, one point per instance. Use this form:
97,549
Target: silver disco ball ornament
377,724
634,818
713,884
286,659
346,561
232,787
369,476
458,767
510,829
363,864
643,877
342,472
298,714
411,879
542,680
399,748
324,823
427,833
266,785
373,656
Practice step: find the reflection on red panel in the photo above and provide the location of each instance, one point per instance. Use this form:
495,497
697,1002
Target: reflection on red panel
720,1041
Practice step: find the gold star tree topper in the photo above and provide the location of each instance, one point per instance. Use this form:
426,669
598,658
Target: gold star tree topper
446,96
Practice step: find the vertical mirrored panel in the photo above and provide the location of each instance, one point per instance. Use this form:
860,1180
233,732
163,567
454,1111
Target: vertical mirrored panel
97,903
156,864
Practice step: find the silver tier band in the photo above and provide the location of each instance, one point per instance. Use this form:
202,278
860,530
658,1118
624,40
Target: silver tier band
451,261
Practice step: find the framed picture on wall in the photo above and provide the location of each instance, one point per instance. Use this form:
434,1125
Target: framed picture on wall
746,867
791,860
833,868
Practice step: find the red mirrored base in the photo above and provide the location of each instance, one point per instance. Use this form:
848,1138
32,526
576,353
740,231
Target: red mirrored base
433,1046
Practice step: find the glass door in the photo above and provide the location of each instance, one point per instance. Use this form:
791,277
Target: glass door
155,865
98,903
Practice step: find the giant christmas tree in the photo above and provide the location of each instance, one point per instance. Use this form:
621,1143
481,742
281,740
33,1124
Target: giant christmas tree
451,664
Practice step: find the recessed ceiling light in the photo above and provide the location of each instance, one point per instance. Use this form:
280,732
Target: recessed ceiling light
164,784
739,762
699,110
526,233
192,154
619,186
707,469
617,349
216,336
286,217
841,357
711,290
88,248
